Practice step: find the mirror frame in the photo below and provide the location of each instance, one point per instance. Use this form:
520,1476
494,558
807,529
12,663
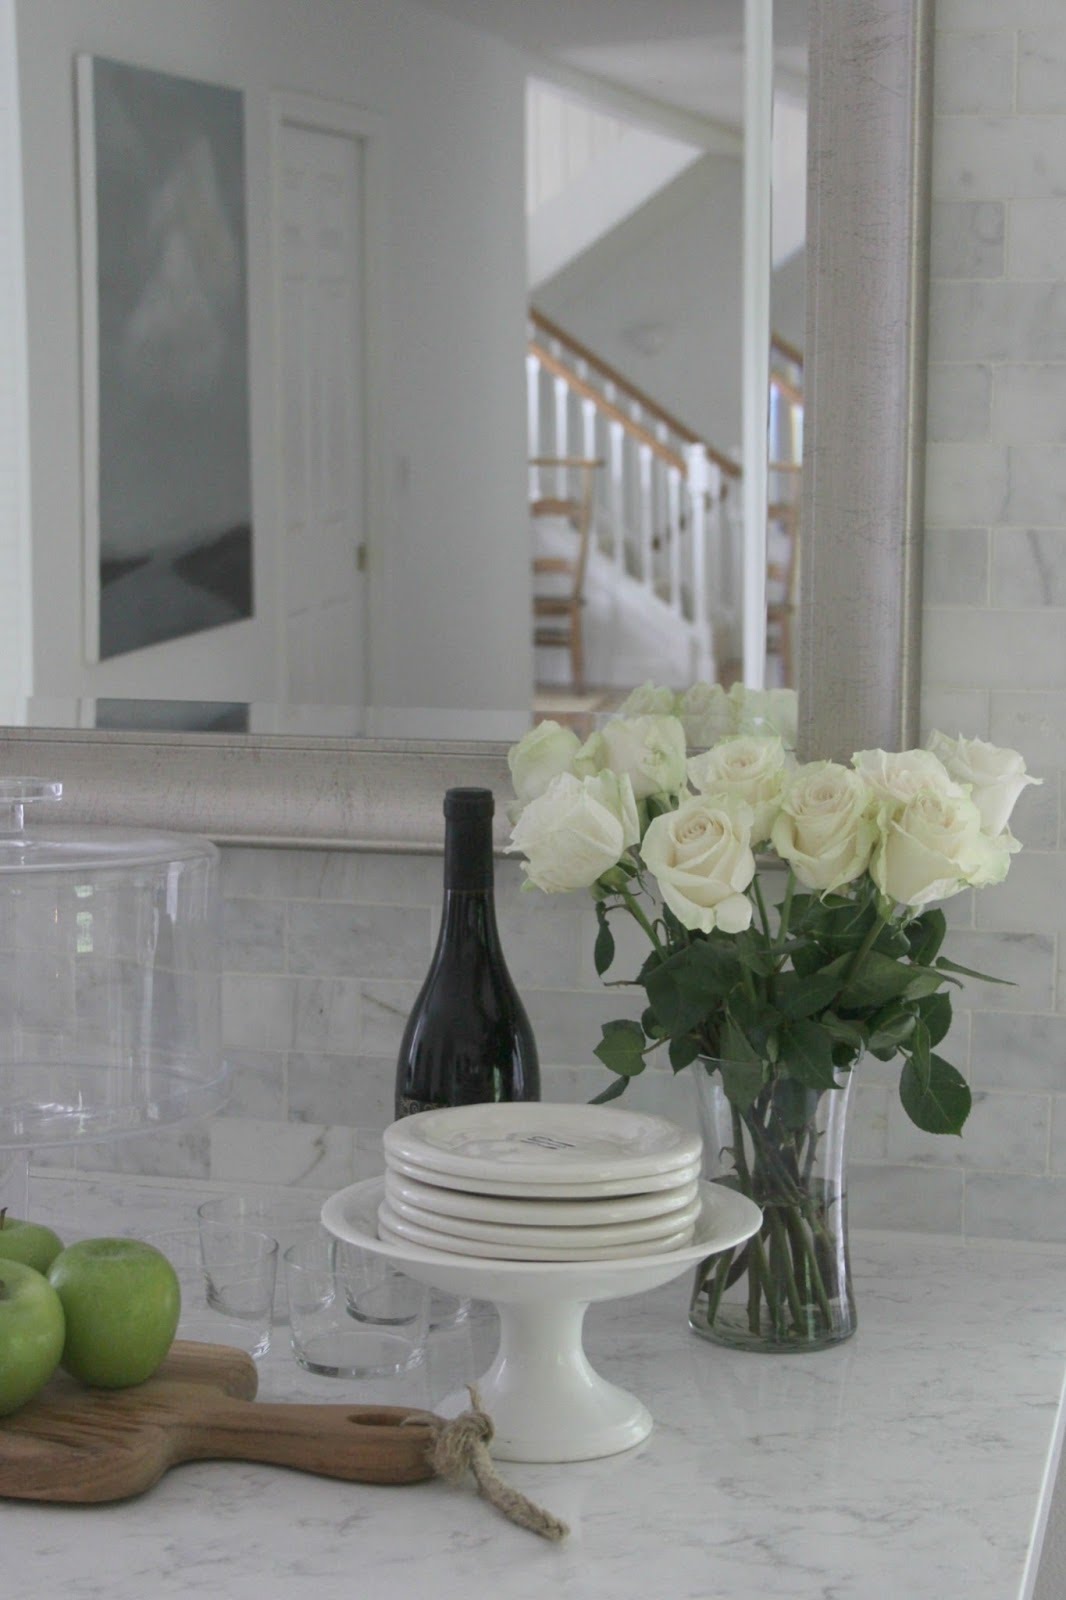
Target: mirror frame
869,134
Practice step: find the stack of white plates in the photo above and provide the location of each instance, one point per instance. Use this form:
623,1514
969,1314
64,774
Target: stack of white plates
526,1181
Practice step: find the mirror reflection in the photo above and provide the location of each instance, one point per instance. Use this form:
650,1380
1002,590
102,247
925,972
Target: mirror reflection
495,343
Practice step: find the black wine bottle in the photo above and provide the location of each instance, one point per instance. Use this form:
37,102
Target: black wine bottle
468,1038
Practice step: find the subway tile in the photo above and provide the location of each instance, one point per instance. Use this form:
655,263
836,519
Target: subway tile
1003,1133
253,935
1035,818
325,1088
359,941
1018,1052
1028,404
258,1013
996,649
402,880
955,567
326,1015
919,1199
1036,490
385,1009
289,874
1042,69
1037,233
1025,962
257,1084
989,157
541,935
1032,897
248,1150
1033,722
959,401
965,484
178,1152
1028,567
1058,1135
951,710
567,1024
974,72
998,1206
997,321
990,15
967,239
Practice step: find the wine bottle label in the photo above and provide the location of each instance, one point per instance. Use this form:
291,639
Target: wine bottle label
409,1107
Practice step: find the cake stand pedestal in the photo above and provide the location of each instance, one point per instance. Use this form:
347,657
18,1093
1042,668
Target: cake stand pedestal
546,1401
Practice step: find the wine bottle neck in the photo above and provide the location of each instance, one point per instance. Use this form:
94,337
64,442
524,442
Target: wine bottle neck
468,856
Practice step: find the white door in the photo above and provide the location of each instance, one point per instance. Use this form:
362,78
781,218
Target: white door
323,408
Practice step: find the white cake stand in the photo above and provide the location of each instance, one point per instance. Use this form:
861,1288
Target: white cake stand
546,1401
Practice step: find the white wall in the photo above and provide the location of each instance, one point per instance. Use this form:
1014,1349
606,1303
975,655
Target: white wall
640,298
452,453
14,514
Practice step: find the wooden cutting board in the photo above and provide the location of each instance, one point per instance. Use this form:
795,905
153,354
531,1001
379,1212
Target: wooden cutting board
83,1445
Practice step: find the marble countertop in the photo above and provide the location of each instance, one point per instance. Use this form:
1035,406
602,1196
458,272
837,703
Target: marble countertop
915,1460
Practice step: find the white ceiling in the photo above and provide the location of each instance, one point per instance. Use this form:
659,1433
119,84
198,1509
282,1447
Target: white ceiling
683,53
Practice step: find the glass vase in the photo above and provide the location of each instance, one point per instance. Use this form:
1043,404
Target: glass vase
789,1286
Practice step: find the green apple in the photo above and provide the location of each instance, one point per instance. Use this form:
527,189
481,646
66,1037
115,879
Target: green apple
121,1300
31,1334
29,1242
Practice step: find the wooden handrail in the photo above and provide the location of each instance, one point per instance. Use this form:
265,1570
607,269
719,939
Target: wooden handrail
786,387
627,387
790,351
588,391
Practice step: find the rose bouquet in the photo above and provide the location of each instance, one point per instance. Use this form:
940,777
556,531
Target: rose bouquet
791,915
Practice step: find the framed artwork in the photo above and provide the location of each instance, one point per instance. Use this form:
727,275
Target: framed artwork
168,511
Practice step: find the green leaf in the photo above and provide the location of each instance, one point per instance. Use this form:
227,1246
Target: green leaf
919,1054
683,1050
612,1091
653,1028
735,1044
889,1029
935,1012
942,1103
841,1032
882,978
741,1081
690,984
926,934
621,1048
802,996
942,964
603,951
807,1053
753,954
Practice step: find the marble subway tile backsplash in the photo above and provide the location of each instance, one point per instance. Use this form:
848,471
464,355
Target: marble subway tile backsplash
313,1052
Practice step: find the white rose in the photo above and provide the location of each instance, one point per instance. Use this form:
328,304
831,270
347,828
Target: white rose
753,769
648,700
576,830
897,776
825,828
536,759
707,714
996,776
649,750
701,857
934,848
766,711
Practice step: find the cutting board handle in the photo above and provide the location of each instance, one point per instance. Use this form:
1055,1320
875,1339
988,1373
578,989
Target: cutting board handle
363,1444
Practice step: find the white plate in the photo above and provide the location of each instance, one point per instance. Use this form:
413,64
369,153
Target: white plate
526,1188
392,1227
542,1143
536,1213
567,1237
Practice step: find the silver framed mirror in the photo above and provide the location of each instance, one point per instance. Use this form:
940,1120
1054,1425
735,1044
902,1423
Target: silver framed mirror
868,157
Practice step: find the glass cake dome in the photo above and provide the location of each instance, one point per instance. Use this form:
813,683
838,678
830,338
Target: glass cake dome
109,976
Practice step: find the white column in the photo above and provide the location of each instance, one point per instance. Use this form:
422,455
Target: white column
758,123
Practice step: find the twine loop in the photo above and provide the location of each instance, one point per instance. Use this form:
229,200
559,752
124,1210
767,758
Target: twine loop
462,1445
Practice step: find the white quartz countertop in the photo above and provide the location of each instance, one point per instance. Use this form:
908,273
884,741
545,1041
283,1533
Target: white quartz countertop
913,1462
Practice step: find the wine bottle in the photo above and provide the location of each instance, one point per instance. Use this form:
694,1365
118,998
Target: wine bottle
468,1038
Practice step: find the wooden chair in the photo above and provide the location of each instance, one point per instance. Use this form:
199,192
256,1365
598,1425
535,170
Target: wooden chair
557,616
